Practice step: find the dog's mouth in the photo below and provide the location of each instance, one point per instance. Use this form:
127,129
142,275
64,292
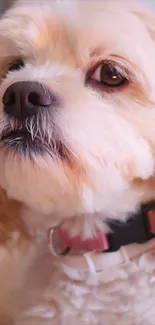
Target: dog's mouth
22,142
16,135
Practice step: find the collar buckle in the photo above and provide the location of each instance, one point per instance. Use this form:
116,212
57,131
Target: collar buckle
138,229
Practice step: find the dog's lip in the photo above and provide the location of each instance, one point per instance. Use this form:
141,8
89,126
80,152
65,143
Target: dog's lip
15,134
24,137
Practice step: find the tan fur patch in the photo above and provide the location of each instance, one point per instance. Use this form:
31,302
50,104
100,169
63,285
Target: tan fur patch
10,219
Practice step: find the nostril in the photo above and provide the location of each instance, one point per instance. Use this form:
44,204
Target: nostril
41,98
9,99
12,98
34,98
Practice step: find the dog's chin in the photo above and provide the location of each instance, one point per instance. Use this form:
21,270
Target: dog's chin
22,143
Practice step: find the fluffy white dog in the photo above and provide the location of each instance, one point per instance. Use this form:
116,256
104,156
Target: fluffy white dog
77,151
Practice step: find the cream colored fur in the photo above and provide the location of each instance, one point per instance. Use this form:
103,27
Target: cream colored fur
109,170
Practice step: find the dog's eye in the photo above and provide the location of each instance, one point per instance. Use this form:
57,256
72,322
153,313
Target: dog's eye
109,74
16,65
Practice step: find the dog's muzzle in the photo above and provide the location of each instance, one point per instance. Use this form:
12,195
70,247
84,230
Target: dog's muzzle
29,126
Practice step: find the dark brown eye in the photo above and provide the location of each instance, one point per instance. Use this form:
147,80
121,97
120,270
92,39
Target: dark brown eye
16,65
109,74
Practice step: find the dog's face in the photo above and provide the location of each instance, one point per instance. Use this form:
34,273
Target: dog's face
77,104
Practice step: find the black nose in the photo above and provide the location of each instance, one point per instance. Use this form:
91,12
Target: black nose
24,99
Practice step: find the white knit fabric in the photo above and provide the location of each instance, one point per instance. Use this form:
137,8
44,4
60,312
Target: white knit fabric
123,294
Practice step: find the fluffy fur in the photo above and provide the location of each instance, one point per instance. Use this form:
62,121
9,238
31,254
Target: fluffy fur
107,170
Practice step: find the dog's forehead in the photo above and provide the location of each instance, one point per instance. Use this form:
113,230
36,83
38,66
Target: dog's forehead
69,28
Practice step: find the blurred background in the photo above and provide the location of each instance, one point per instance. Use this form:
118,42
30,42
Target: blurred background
5,3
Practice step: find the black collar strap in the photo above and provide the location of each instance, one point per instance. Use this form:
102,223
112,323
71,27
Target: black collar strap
138,229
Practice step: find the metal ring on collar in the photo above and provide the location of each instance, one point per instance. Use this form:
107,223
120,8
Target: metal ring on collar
55,245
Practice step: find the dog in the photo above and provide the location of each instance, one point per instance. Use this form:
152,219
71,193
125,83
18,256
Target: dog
77,159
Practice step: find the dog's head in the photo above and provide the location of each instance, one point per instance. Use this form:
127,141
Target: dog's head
77,107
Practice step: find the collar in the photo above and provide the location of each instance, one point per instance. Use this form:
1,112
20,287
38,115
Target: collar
139,228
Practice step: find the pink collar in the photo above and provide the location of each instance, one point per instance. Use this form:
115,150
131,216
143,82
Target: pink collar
98,243
60,242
